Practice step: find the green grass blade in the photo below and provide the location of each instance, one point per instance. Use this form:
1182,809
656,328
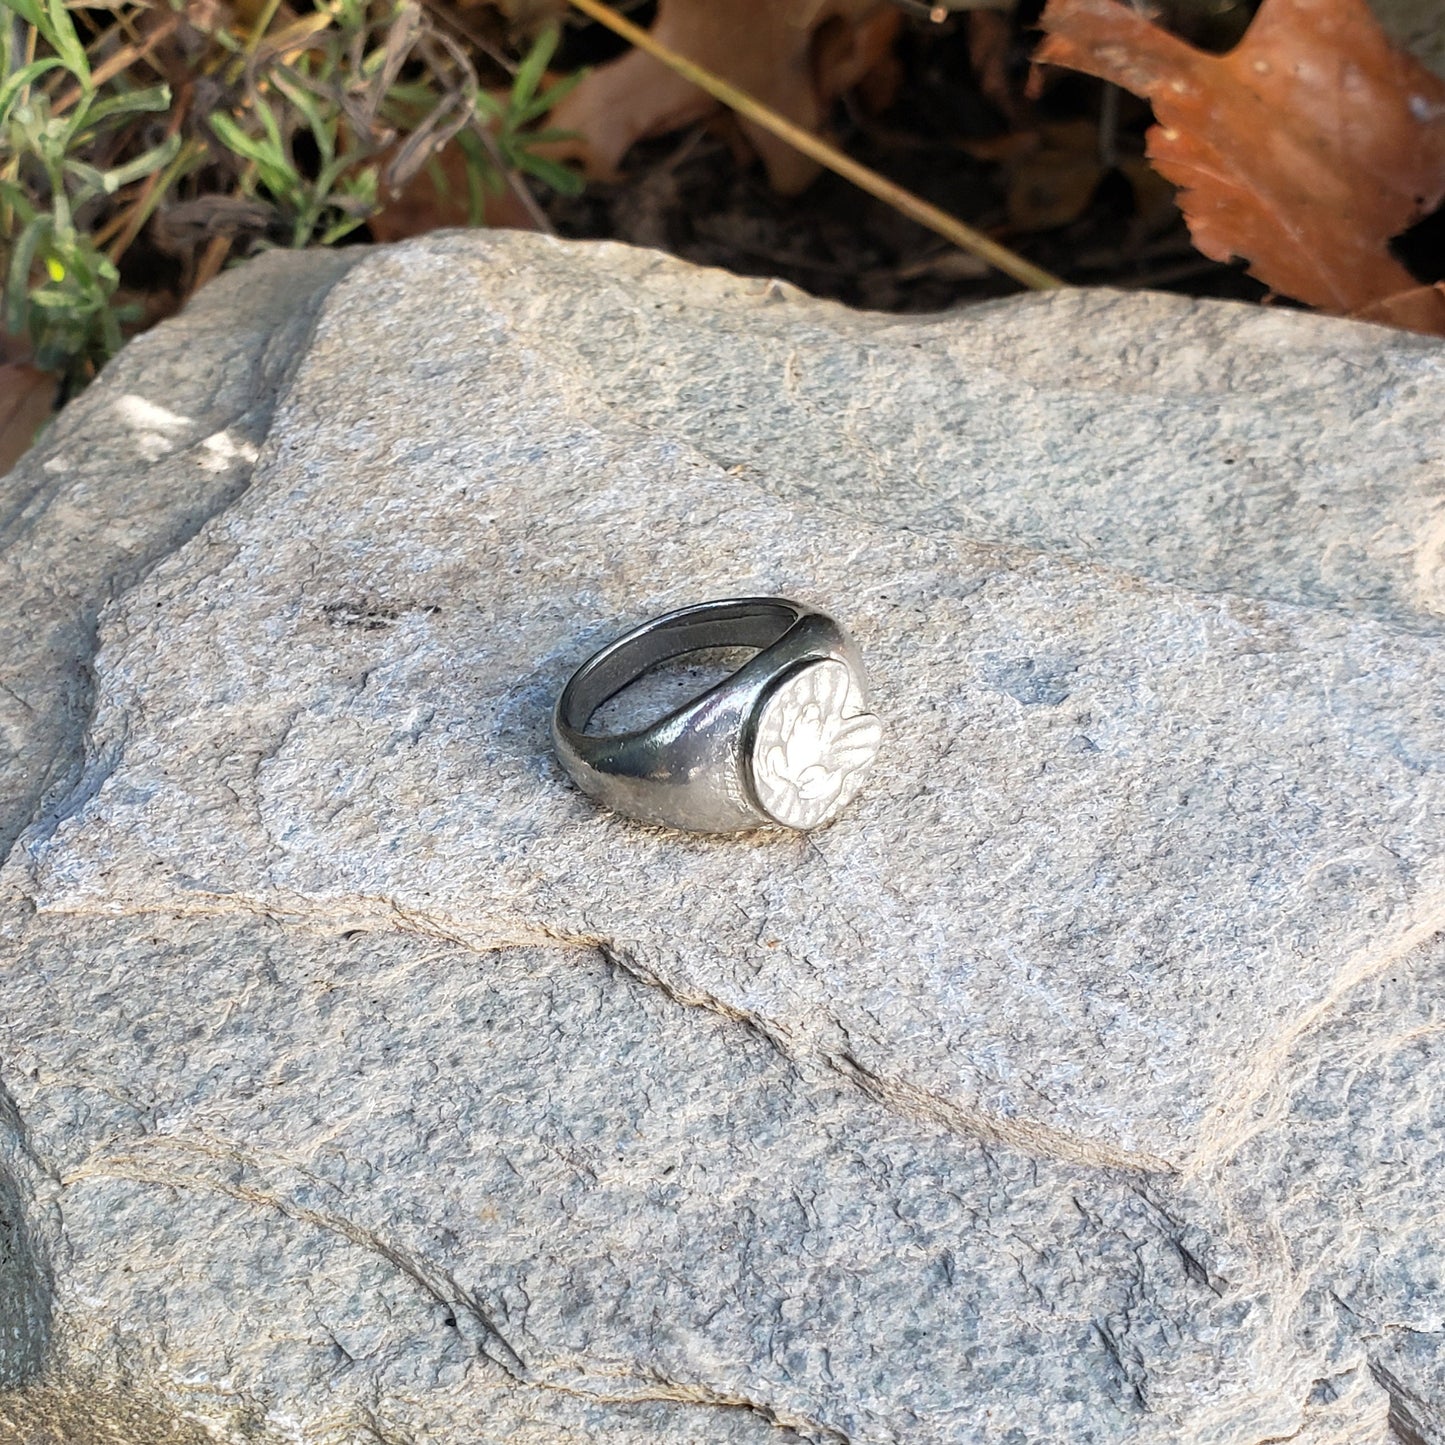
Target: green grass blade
533,67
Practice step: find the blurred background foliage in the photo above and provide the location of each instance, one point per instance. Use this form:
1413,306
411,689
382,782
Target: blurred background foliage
146,145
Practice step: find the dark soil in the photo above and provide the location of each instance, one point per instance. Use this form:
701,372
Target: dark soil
691,195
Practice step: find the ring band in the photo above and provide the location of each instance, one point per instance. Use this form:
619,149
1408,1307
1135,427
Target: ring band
784,741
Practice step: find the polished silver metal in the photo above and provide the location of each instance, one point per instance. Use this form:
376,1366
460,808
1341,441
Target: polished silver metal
784,742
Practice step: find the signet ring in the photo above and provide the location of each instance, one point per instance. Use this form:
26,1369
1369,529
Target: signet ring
785,741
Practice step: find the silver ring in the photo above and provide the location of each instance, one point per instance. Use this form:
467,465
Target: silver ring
785,741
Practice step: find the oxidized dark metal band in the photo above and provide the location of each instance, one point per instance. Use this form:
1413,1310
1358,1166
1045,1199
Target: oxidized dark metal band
786,740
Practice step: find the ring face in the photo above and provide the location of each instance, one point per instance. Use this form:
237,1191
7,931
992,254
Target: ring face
784,741
813,742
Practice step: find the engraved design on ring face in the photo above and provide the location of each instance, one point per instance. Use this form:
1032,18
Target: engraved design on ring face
813,742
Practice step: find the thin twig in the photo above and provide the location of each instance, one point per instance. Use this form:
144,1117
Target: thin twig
479,128
212,259
914,207
262,25
236,67
157,185
1109,127
443,14
123,58
518,187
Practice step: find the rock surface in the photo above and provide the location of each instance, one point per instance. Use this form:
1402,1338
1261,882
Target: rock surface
166,443
1080,1084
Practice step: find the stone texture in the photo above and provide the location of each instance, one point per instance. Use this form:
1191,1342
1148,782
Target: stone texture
1079,1084
1107,802
540,1190
168,441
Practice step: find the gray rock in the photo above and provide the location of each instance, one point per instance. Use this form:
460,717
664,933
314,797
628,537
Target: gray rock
130,473
1077,1085
1107,803
379,1176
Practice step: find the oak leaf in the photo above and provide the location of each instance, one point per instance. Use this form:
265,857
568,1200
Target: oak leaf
1303,150
796,56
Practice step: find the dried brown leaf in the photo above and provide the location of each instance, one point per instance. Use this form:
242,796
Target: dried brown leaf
795,56
1303,150
1422,308
27,395
1052,182
990,53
